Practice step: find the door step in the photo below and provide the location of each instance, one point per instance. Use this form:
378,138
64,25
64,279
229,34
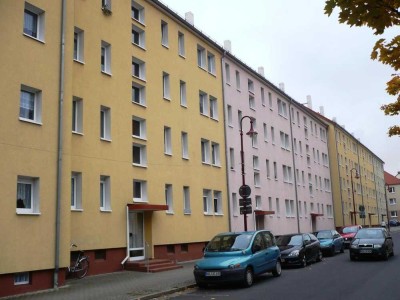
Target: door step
151,265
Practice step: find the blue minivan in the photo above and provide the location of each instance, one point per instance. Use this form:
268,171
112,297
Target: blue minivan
238,257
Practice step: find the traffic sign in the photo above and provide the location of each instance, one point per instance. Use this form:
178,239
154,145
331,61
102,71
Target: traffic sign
245,201
246,210
244,191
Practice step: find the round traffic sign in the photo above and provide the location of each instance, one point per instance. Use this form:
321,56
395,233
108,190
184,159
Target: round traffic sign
244,191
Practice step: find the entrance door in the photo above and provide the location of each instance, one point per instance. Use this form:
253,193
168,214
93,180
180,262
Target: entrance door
260,222
136,236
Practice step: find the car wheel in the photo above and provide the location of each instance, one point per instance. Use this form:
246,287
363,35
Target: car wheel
342,249
386,254
248,277
319,255
277,271
392,253
303,261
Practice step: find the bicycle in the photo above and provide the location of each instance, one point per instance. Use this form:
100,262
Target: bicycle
80,266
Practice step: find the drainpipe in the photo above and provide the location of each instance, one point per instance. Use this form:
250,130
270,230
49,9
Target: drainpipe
340,179
60,146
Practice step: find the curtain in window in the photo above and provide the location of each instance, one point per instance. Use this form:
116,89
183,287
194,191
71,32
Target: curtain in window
24,195
27,105
30,23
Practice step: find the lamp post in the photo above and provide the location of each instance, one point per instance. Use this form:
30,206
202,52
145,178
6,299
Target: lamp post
250,133
352,190
387,208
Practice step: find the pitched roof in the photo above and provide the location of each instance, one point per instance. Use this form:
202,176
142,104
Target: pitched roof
391,180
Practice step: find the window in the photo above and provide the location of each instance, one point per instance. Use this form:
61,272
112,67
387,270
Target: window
201,57
182,93
106,5
78,44
77,115
270,100
138,127
269,203
257,179
250,86
265,132
137,12
34,22
167,141
166,89
267,168
392,201
76,191
185,145
278,207
285,141
139,157
215,157
391,189
164,33
105,57
230,119
181,44
227,73
254,137
27,195
273,135
139,191
282,108
211,63
207,201
105,123
287,174
256,164
235,205
275,171
232,158
252,103
138,36
21,278
393,214
289,204
138,94
262,96
203,103
105,193
238,80
186,200
213,108
205,151
168,198
30,106
217,203
258,202
138,68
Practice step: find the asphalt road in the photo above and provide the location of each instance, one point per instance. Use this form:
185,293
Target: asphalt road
334,278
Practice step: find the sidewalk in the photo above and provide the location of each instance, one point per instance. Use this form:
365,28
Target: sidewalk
121,286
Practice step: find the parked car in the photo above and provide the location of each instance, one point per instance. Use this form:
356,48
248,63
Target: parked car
348,233
238,257
393,223
331,242
299,249
375,242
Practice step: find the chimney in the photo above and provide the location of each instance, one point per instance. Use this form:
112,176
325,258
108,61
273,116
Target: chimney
309,102
228,45
261,71
334,119
282,86
321,110
398,175
189,17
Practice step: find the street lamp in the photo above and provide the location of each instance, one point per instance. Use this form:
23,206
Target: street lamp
387,208
250,133
352,190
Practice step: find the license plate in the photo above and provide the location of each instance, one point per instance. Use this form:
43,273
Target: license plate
365,251
213,274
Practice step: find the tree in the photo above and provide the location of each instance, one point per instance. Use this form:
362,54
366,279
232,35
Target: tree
378,15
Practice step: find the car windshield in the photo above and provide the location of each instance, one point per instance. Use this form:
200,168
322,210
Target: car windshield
289,240
324,235
350,229
369,234
229,242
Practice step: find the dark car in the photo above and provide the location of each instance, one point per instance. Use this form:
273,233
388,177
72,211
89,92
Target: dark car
299,249
371,242
393,223
331,242
348,233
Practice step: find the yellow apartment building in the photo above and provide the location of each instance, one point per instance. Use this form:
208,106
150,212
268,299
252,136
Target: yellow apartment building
112,138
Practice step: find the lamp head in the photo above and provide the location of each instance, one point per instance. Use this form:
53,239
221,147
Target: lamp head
357,175
251,132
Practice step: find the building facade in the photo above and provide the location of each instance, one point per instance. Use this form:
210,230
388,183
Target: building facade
392,186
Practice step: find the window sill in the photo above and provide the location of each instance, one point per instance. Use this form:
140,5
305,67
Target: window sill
77,209
187,212
139,46
182,56
140,137
105,210
139,166
106,140
212,74
167,154
167,212
138,21
206,163
217,166
208,214
106,73
30,121
167,98
185,158
33,38
78,133
137,200
219,214
21,213
79,61
140,104
203,68
228,83
140,78
165,46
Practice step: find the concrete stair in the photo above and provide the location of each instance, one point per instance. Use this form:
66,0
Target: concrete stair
151,265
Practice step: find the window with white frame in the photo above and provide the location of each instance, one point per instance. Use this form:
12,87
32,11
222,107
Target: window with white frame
265,132
185,145
105,123
270,100
203,102
278,206
139,191
250,86
282,108
34,22
232,158
235,206
138,93
105,193
230,118
262,96
139,157
30,106
287,174
138,37
392,201
252,102
201,57
213,108
298,176
21,278
393,214
217,203
258,202
273,135
77,115
254,137
275,171
327,185
227,73
211,63
167,141
215,155
78,44
256,163
329,211
164,33
267,168
289,205
237,80
269,203
105,57
186,200
205,151
27,195
257,181
106,5
166,87
137,12
207,201
182,93
285,144
239,117
138,68
168,198
138,127
391,189
300,209
181,44
76,191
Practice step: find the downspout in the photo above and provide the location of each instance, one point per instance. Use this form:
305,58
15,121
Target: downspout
60,146
340,178
361,187
294,167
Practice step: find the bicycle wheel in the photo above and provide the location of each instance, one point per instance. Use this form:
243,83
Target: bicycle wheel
82,268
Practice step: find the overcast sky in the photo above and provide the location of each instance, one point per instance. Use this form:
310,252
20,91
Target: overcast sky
312,54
